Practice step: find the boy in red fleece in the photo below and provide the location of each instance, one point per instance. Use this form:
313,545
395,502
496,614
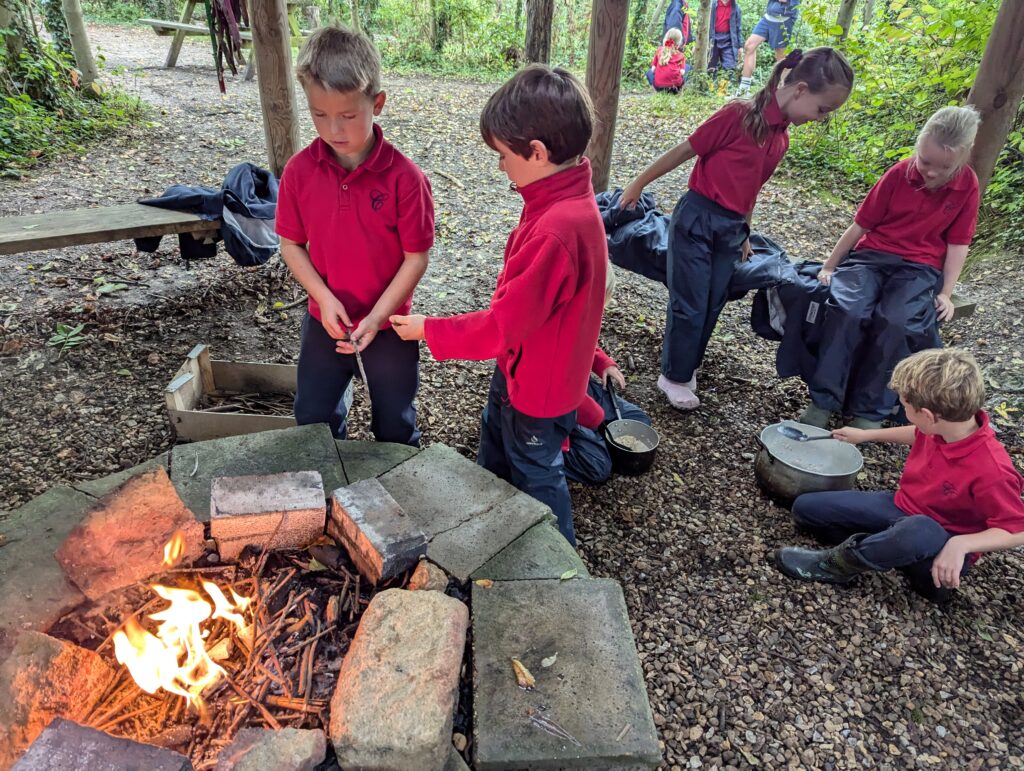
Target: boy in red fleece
545,314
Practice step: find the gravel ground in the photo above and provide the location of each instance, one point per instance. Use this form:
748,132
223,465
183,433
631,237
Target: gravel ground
744,667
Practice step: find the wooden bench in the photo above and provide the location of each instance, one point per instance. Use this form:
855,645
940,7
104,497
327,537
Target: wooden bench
56,229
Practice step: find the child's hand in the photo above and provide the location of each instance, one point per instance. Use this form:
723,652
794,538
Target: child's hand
747,251
615,374
944,307
947,565
825,276
630,195
334,317
360,337
408,327
850,435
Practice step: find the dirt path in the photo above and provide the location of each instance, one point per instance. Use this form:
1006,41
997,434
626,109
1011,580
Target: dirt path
743,666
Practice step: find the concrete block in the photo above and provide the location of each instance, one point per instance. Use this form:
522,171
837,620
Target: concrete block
379,537
290,507
365,460
65,745
540,552
265,749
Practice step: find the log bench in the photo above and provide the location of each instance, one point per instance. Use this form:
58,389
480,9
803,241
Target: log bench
56,229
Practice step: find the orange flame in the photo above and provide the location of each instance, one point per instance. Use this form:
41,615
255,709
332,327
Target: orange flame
174,548
176,657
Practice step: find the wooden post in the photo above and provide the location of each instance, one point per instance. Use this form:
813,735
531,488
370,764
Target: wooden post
998,88
845,17
272,52
179,35
604,73
538,30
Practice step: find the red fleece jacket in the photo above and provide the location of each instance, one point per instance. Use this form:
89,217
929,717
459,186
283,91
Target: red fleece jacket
545,314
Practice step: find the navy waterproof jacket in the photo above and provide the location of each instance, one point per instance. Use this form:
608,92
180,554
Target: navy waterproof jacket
735,24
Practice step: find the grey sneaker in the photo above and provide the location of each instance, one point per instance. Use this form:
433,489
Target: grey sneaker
865,424
815,416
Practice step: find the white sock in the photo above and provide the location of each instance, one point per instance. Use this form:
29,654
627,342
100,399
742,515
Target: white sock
682,396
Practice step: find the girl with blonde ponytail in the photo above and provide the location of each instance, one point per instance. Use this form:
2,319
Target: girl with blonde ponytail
737,150
668,68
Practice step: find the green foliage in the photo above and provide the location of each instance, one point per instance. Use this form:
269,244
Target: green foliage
65,337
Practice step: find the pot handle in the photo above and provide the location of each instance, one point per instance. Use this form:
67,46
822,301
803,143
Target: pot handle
771,458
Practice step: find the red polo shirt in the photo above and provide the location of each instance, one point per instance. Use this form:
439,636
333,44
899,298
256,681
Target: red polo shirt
357,225
723,12
731,169
909,220
966,486
545,314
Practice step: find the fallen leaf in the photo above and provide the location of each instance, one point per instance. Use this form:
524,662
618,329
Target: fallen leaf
315,566
549,660
570,573
123,373
523,676
484,583
108,288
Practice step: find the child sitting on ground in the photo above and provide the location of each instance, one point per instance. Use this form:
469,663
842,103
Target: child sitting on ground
668,68
959,495
909,240
545,314
356,221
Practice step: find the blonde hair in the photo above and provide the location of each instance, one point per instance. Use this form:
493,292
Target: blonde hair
337,58
675,35
947,381
820,68
953,128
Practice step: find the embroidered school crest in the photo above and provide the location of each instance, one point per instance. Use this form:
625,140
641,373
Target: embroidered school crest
377,199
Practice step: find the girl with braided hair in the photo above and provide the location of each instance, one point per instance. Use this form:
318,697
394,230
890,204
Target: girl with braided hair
737,150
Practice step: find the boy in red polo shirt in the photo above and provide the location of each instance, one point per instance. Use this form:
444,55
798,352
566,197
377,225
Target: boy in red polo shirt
909,240
356,220
959,495
545,314
737,150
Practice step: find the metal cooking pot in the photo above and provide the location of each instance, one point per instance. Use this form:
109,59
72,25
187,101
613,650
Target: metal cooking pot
631,444
786,469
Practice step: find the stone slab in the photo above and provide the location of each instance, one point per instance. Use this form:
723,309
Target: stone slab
378,535
66,745
42,679
593,690
455,762
466,547
540,552
121,540
35,590
103,485
264,749
440,489
250,509
299,448
366,460
403,663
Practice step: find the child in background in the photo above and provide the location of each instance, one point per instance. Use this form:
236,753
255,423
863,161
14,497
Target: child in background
959,495
726,35
909,241
667,72
545,314
737,150
776,27
356,221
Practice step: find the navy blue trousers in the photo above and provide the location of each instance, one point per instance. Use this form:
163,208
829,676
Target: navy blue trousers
392,367
527,451
587,460
897,540
880,310
723,54
705,241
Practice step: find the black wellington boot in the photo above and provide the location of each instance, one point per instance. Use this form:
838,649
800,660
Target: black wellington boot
838,565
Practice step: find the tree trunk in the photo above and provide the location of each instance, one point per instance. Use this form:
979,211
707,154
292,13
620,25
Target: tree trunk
273,52
637,44
433,24
354,10
604,74
538,30
13,42
868,12
702,35
655,29
80,40
845,17
519,18
998,88
53,17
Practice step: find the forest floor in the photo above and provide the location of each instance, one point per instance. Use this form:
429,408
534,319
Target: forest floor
743,666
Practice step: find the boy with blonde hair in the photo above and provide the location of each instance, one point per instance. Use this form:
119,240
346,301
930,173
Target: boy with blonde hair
356,220
959,496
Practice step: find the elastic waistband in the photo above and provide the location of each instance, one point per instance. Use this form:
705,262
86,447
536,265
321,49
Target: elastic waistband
693,197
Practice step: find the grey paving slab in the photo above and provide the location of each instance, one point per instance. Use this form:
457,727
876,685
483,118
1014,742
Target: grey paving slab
540,552
464,548
103,485
364,460
35,591
455,762
593,690
440,489
301,448
65,744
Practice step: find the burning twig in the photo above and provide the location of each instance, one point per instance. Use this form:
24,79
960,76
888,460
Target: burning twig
271,720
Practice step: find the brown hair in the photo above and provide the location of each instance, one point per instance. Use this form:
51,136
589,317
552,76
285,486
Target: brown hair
544,104
820,68
947,381
337,58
